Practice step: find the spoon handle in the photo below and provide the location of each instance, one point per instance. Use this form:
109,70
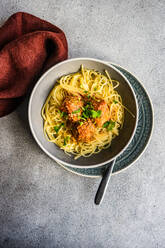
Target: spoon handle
104,183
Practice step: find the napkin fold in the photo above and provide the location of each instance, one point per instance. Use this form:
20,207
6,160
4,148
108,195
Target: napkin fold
28,47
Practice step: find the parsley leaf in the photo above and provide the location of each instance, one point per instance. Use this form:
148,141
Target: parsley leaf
106,124
81,123
63,114
88,104
57,128
109,125
85,114
89,112
76,111
95,114
115,101
66,139
83,118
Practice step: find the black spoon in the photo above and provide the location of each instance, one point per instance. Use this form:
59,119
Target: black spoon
104,183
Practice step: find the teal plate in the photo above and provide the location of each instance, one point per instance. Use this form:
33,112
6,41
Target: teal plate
140,139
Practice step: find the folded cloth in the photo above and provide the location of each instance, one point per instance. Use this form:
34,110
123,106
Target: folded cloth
28,47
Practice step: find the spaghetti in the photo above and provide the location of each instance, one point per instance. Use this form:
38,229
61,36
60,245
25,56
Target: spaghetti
83,112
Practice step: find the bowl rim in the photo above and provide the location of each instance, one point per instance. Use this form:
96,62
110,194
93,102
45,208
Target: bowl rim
30,120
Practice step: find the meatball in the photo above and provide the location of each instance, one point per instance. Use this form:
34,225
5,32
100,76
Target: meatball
86,131
105,112
72,105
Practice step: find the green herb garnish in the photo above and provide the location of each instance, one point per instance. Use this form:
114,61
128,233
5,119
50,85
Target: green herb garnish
115,101
63,114
76,111
95,88
66,139
82,118
109,125
106,124
86,114
95,114
85,91
89,112
81,123
57,128
89,104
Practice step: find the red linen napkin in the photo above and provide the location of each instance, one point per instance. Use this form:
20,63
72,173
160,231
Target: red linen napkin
28,46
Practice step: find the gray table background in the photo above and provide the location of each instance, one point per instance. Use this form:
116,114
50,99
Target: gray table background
41,204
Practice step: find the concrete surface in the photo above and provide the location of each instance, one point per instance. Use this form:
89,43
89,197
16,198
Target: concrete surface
41,204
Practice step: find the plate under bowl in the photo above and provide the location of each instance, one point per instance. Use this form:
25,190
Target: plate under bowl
141,137
40,93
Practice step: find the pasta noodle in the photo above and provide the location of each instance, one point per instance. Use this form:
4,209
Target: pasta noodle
93,86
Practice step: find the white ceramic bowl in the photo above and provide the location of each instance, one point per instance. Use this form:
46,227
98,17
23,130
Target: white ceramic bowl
40,93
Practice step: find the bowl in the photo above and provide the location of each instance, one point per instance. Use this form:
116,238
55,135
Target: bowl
40,93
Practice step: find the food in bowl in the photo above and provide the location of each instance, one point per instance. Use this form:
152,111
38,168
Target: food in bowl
83,112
